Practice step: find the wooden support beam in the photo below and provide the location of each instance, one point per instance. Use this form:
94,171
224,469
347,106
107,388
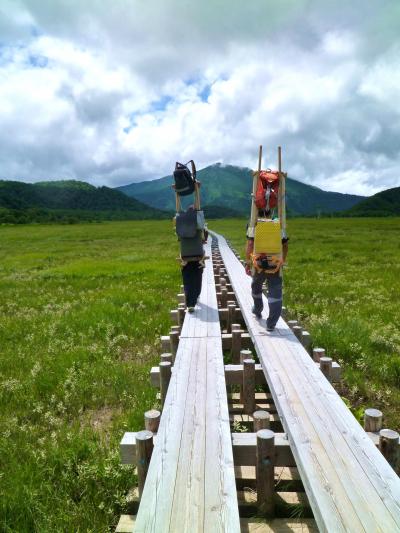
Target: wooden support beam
165,343
244,450
233,373
174,341
306,340
298,331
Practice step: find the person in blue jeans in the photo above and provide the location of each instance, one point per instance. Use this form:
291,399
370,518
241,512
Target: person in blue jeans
274,284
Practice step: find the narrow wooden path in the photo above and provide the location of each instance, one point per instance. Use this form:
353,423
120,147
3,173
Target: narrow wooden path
190,484
348,482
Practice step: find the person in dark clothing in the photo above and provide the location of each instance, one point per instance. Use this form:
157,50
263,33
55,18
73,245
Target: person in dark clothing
274,284
192,276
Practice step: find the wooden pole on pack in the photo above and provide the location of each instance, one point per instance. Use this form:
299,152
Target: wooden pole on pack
282,188
256,175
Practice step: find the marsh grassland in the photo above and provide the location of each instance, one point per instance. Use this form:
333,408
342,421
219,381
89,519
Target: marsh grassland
81,311
343,283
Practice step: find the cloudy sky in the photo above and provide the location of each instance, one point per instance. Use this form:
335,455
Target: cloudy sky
115,91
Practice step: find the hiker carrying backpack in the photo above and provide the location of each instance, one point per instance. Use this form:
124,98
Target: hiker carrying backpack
267,243
191,231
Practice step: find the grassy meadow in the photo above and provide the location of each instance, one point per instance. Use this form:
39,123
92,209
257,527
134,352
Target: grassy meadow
81,311
342,282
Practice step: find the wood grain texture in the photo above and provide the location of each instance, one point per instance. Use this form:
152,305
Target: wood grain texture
190,485
349,484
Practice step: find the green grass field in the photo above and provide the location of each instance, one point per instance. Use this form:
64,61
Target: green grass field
342,282
81,311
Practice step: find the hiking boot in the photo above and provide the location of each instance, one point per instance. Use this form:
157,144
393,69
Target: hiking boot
191,309
270,328
258,315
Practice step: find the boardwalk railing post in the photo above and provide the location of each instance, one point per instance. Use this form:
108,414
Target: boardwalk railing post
298,331
152,420
306,340
265,472
144,448
249,384
261,420
165,376
373,420
389,446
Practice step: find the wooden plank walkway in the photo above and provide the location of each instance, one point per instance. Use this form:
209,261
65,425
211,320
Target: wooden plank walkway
190,485
349,484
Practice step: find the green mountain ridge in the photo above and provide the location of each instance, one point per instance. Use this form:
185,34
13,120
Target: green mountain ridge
382,204
68,200
229,187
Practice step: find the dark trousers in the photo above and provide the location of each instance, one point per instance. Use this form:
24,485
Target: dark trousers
274,283
192,274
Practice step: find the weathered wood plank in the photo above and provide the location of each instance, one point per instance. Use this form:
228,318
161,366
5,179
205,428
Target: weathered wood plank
343,473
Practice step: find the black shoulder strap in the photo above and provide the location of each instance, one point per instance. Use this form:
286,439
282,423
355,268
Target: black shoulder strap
193,168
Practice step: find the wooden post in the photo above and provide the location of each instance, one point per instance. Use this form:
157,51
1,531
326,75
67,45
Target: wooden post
261,420
174,316
181,314
224,296
152,420
306,340
166,357
244,354
373,420
389,446
298,331
231,315
284,312
236,345
174,341
292,323
165,376
144,448
249,384
325,365
318,353
265,472
181,298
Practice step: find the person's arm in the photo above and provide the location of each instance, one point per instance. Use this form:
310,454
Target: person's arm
249,251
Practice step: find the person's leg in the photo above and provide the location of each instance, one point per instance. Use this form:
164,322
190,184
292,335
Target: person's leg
198,278
274,282
191,276
256,292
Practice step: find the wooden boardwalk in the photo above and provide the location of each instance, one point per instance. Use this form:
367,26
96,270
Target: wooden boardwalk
348,482
190,484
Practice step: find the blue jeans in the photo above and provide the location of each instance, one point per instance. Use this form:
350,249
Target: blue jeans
274,283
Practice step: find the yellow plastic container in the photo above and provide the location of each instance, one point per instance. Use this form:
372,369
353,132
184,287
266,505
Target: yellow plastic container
268,237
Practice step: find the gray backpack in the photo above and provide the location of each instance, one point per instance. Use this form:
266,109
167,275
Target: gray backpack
189,234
